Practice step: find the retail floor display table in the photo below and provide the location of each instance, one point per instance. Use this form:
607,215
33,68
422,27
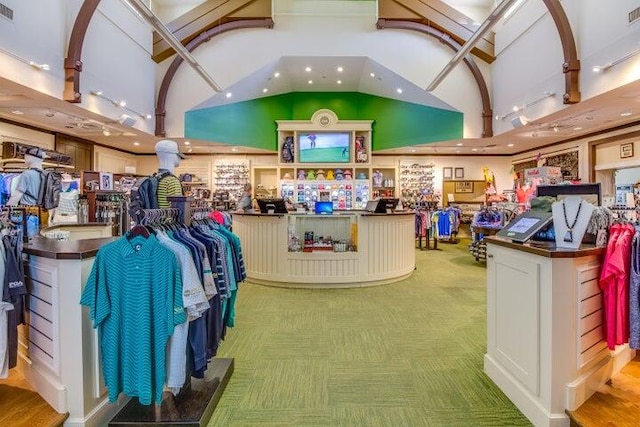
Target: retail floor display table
383,248
545,334
59,348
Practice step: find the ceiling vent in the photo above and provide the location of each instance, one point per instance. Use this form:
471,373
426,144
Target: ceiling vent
6,11
634,15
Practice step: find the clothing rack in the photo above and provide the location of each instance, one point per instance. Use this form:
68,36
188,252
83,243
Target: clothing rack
196,401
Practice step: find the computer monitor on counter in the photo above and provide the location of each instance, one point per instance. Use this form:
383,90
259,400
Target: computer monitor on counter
272,206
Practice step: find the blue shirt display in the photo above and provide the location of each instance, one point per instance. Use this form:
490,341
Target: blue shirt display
134,295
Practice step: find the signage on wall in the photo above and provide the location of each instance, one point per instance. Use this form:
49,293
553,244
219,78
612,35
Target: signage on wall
626,150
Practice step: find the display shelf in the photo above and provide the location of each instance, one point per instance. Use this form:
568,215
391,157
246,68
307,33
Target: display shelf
415,182
231,177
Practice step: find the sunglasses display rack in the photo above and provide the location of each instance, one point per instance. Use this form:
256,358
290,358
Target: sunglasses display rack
416,182
231,177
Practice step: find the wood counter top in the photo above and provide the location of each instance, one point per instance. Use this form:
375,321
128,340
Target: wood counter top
546,249
65,249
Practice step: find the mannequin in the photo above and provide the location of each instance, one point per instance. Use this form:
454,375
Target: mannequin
67,210
28,188
169,157
570,220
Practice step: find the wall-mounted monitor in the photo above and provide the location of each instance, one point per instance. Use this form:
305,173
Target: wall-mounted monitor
589,192
324,147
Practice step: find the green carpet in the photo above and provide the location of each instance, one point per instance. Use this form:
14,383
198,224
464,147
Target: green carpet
405,354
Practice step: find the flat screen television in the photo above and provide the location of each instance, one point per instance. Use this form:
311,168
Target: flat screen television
272,206
324,147
589,192
386,205
324,208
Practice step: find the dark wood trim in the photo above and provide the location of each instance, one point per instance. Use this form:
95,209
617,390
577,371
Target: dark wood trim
592,161
73,61
193,44
205,16
571,64
26,126
487,111
439,15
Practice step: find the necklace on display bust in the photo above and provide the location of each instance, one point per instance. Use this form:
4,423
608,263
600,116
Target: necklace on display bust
568,237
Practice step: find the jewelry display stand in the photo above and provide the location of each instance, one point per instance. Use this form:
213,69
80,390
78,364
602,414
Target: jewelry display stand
570,220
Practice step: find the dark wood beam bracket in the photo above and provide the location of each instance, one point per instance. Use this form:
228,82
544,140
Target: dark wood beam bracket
571,64
203,37
73,61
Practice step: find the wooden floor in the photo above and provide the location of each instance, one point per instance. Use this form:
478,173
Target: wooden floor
616,404
20,406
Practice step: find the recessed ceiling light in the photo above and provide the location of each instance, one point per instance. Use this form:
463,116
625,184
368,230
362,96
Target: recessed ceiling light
413,150
136,143
340,69
459,144
515,108
234,149
509,145
399,90
372,74
308,69
310,82
457,151
148,116
265,90
276,74
339,82
474,149
187,143
122,103
18,112
229,95
577,128
625,114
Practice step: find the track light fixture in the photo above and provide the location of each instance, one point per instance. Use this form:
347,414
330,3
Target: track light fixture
120,104
37,66
605,67
518,108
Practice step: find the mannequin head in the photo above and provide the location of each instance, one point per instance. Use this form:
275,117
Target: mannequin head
33,162
168,154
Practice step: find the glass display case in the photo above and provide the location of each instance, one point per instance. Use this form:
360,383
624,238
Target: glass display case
322,233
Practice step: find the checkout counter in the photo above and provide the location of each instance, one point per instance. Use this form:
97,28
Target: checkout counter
344,249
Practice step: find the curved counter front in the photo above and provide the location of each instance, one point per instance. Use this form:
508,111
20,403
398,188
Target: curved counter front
383,248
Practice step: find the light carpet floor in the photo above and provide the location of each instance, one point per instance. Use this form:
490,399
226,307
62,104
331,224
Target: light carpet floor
405,354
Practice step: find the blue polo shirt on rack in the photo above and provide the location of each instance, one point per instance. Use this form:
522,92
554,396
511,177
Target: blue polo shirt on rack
134,295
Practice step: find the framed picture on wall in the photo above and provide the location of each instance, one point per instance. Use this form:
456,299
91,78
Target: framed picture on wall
464,187
626,150
106,181
447,173
459,173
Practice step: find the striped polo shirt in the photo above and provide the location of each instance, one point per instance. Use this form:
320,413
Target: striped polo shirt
134,295
168,186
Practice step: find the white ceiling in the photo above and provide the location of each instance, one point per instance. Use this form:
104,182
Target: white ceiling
592,115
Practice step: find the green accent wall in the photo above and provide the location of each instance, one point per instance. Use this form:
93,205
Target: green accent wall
252,123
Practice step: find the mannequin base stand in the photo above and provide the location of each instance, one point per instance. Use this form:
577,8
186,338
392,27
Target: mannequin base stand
191,407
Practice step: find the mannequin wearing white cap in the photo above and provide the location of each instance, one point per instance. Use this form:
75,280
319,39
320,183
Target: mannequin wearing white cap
28,188
169,185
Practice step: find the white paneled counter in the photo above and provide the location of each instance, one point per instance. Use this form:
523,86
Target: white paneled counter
545,328
58,348
377,248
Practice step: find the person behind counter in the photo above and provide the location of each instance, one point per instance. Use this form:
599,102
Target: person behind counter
246,201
